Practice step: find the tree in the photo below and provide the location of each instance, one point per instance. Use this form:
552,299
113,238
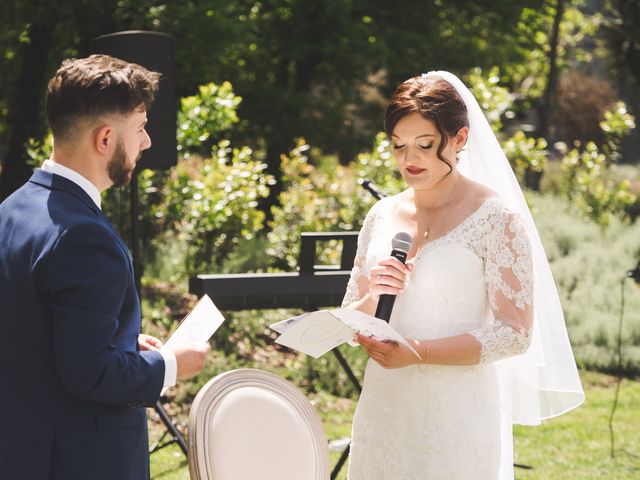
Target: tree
37,35
300,66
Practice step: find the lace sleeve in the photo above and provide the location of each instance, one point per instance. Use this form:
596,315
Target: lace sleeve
356,288
509,281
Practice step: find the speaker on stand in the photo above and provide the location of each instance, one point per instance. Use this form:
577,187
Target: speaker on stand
154,51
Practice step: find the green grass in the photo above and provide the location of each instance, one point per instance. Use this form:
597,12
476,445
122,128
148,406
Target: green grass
576,445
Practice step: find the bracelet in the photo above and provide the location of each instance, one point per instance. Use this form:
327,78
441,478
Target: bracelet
422,366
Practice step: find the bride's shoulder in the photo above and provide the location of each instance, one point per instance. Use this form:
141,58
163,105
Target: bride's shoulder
501,215
381,208
388,202
479,191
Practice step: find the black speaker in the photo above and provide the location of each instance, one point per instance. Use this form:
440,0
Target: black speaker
154,51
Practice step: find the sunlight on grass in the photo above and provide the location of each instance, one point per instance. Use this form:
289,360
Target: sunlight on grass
575,445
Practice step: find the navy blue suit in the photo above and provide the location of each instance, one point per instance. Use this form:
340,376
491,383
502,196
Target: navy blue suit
73,385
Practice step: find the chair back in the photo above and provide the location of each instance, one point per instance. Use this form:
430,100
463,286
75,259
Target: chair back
252,424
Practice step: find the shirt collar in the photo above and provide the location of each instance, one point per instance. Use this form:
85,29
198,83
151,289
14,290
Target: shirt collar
57,169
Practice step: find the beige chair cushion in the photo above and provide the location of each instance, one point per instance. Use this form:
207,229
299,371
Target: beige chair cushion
252,424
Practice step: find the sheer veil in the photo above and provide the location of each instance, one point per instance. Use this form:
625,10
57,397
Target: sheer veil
544,382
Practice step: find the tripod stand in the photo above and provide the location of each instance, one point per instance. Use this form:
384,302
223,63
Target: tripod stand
137,272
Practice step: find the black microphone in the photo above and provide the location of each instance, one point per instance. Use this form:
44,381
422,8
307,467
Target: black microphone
400,246
635,273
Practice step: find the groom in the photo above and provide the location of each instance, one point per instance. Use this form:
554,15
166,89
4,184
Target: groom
75,373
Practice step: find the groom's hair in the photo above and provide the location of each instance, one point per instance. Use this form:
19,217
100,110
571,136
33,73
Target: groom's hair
88,88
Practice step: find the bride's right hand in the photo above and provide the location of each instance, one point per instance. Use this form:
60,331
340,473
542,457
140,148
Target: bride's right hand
389,276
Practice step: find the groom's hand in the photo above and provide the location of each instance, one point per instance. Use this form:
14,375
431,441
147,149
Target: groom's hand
190,359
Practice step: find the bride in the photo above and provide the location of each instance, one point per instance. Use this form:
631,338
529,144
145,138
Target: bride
476,299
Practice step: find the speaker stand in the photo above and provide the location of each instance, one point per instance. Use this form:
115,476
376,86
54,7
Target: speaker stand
176,436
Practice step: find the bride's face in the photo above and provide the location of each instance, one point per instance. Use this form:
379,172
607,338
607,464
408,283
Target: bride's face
415,143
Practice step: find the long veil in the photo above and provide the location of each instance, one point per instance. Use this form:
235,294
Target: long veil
544,382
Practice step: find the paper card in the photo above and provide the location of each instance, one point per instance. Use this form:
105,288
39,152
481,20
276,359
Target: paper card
283,325
315,334
318,332
371,327
199,324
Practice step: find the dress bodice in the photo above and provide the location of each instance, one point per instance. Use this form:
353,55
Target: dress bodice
475,279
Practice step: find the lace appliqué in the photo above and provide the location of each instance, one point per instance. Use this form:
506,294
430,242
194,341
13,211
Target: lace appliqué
352,293
509,281
501,340
507,247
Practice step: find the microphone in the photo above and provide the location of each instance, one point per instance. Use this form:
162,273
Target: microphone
635,274
400,246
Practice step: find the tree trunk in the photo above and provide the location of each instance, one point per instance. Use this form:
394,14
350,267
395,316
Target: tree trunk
552,79
25,110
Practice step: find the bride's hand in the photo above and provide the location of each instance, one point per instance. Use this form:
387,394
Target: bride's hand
388,354
389,276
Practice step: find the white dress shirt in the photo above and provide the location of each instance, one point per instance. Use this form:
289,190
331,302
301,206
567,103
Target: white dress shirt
170,363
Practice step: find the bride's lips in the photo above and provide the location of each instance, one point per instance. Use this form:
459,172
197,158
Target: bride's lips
414,170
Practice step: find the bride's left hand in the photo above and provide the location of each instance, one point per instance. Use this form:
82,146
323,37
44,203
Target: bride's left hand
388,354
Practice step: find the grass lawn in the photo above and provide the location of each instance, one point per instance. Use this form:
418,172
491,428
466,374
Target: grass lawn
574,446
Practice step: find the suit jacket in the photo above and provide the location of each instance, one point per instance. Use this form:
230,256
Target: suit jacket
72,381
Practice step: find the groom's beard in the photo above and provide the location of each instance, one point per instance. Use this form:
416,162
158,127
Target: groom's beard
119,169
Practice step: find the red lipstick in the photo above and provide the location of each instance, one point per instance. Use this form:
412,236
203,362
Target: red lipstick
414,170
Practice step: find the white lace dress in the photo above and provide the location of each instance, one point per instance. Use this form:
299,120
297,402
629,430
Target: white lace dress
445,422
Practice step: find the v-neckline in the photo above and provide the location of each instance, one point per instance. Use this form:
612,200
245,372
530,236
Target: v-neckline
451,231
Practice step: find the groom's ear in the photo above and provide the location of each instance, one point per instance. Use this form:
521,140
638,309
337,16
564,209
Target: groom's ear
104,139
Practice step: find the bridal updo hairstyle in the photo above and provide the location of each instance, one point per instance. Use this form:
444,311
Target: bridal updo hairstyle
435,99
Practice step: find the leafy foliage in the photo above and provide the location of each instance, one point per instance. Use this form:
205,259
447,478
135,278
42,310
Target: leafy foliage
205,116
528,156
495,100
212,204
39,150
379,166
528,77
588,185
616,125
301,67
319,198
588,180
588,265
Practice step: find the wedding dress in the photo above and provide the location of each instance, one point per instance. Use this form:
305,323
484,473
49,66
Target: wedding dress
445,422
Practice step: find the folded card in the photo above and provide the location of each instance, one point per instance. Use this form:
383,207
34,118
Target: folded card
318,332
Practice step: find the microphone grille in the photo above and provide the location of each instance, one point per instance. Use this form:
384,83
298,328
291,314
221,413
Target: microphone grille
401,241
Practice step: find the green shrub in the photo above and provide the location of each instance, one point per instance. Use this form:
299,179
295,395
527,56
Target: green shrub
616,125
589,264
588,184
320,198
496,101
211,204
203,118
528,156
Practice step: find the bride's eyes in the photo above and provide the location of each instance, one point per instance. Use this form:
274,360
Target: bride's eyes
422,147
